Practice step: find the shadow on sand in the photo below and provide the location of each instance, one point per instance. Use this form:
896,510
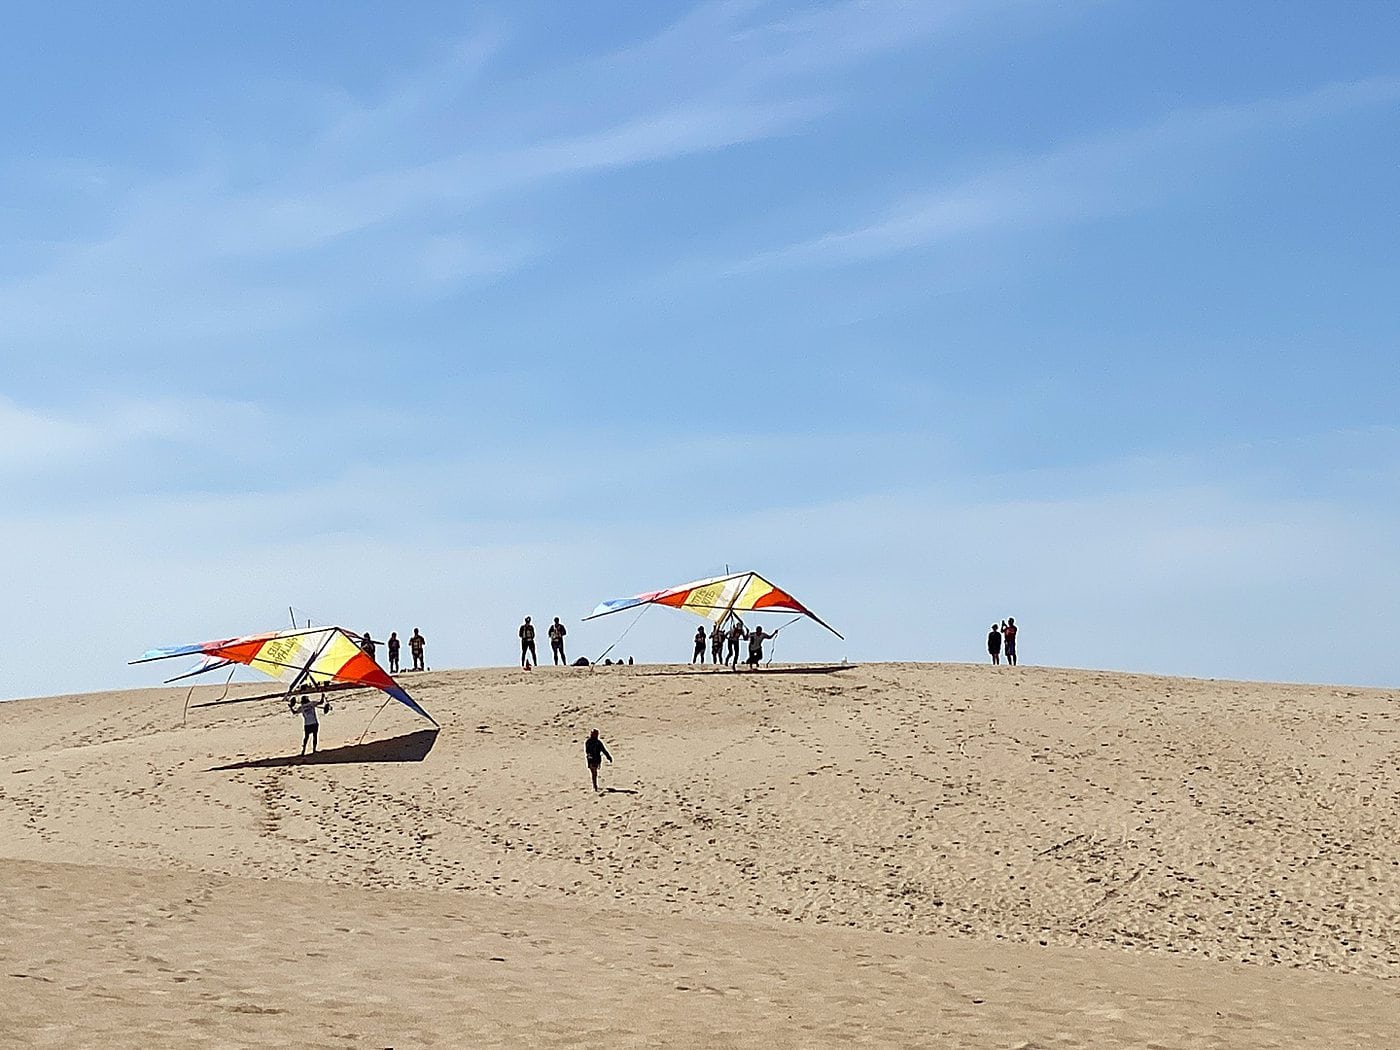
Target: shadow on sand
711,669
412,747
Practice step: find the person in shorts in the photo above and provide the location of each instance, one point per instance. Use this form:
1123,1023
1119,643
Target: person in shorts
699,654
306,707
1008,640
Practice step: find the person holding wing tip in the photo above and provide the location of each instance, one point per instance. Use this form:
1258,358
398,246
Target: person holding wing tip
756,639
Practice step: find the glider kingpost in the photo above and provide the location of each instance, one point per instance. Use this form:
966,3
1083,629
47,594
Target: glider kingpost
717,599
310,657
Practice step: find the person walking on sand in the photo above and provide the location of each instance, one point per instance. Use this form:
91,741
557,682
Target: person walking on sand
736,634
415,648
556,642
1008,636
527,644
994,643
393,645
716,644
756,639
596,752
699,653
306,707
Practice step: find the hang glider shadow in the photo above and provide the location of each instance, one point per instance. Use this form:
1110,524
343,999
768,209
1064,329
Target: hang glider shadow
409,747
686,670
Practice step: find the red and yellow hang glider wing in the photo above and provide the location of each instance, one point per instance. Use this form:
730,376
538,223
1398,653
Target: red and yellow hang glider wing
717,599
311,657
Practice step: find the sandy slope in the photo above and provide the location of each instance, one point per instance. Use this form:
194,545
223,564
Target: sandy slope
1094,824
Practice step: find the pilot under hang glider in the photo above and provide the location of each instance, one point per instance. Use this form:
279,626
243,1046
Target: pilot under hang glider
307,658
718,599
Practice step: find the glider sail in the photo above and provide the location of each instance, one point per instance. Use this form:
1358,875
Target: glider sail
310,657
718,598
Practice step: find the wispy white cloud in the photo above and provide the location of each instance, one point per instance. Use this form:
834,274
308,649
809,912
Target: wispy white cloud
1096,177
391,188
93,434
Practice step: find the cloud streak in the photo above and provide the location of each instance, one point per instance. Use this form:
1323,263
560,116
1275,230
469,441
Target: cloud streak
410,185
1097,177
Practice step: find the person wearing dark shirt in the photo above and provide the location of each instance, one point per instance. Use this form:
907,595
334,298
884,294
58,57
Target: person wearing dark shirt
716,644
1008,636
699,653
556,642
415,648
756,639
393,652
367,645
994,643
596,752
736,634
527,644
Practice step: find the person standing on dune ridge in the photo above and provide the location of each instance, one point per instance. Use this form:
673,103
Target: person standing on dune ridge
994,643
736,635
756,639
415,648
1008,636
556,642
527,644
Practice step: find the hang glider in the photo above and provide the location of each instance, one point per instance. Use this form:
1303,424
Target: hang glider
309,657
717,599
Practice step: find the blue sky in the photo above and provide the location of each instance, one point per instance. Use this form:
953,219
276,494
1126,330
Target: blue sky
933,312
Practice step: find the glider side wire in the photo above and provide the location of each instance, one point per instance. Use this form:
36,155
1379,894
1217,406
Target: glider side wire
376,715
774,651
198,671
184,717
645,607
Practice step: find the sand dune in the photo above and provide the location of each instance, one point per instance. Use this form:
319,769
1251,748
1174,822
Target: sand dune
1101,859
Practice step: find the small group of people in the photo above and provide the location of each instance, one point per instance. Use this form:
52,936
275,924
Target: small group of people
556,632
723,644
1002,639
416,644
